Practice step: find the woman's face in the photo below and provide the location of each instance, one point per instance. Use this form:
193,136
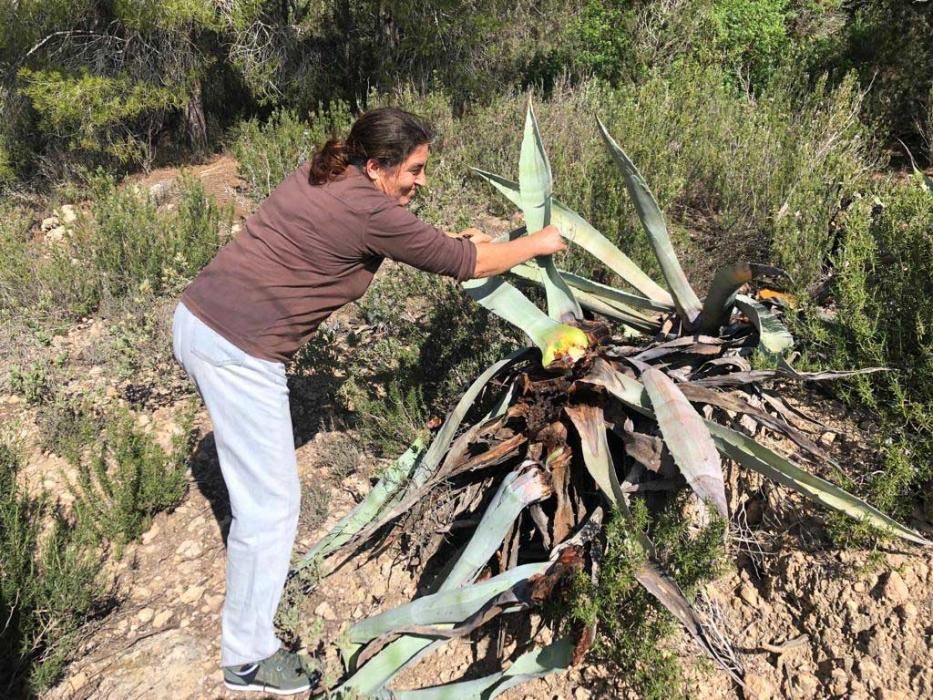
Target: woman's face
402,181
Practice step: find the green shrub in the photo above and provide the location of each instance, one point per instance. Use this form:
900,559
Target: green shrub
127,478
753,36
268,152
47,588
631,625
884,318
126,247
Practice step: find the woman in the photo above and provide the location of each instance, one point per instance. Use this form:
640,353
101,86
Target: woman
312,246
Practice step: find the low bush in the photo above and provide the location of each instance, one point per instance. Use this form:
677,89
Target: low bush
268,151
631,624
48,586
127,478
883,317
125,246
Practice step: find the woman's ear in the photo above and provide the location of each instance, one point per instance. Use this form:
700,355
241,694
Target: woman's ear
373,169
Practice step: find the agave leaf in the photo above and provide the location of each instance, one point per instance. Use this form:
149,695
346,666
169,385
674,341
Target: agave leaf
452,606
428,465
688,305
534,183
579,232
367,509
616,310
591,425
538,663
613,295
721,296
774,336
753,455
519,488
687,438
555,340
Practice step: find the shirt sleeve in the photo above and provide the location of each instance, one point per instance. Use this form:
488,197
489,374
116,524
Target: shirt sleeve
394,232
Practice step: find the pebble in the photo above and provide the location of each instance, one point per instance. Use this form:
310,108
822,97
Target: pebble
49,223
325,611
895,590
160,619
145,615
151,533
749,594
907,612
808,684
758,687
189,549
839,682
68,213
192,595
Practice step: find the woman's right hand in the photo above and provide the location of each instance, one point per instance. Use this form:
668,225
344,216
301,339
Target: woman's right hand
548,240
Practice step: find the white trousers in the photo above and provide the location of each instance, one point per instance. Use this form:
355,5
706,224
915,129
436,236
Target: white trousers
247,399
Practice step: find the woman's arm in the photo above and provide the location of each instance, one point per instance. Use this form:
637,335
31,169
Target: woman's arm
495,258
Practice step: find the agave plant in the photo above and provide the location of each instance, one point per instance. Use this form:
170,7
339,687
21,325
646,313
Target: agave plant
649,393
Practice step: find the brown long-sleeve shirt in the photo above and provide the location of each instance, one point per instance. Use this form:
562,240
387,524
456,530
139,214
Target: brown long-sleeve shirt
307,251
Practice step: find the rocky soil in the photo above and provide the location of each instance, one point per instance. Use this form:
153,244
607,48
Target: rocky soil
807,620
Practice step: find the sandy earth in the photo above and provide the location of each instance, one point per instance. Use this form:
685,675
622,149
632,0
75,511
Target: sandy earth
807,621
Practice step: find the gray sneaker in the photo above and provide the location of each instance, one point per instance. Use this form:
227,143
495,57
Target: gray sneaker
283,673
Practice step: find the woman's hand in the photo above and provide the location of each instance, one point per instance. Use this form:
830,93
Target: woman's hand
548,240
495,258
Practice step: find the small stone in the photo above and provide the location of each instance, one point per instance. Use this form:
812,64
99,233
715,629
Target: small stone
56,234
907,612
580,694
895,590
192,595
151,533
78,681
160,619
758,687
808,684
214,602
358,612
885,694
189,549
325,611
749,594
49,223
145,615
828,438
838,682
68,213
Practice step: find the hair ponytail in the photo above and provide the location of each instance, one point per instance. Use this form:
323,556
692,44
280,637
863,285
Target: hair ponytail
387,135
328,162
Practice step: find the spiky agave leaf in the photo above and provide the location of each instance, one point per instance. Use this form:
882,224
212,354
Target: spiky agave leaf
612,309
756,456
753,455
367,509
687,438
534,182
774,336
591,427
720,299
537,663
557,341
520,488
580,232
688,305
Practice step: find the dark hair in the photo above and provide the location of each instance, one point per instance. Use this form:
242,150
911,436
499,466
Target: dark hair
387,134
